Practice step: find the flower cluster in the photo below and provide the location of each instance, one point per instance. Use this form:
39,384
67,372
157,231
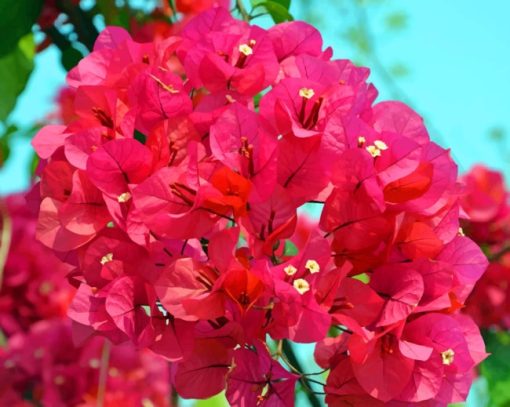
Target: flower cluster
39,363
486,203
44,367
175,195
33,285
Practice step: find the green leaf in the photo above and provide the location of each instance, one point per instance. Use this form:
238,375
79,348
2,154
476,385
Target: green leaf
16,20
278,12
216,401
284,3
496,369
15,69
114,14
364,278
290,249
5,142
70,58
34,162
140,137
146,309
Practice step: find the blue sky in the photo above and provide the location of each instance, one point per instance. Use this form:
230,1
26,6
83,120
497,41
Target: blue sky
458,54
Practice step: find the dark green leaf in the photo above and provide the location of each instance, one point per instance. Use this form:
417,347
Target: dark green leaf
113,14
284,3
15,69
34,162
16,20
496,369
70,58
277,11
5,142
140,137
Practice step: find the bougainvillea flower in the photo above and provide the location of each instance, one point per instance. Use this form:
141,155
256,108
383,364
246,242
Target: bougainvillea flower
176,198
257,379
204,373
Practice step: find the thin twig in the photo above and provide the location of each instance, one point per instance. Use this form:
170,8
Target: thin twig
5,242
493,257
103,373
291,360
242,10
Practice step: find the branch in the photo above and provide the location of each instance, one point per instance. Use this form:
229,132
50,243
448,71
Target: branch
291,360
493,257
242,10
103,373
5,242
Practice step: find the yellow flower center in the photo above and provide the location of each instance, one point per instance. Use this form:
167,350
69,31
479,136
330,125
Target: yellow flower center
448,357
301,285
376,148
124,197
245,49
290,270
106,258
312,266
374,151
306,93
381,145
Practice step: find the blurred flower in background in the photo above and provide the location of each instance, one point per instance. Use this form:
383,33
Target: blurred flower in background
40,362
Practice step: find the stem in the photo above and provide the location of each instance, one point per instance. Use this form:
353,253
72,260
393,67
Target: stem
342,329
498,255
242,10
316,373
291,360
103,373
5,242
174,398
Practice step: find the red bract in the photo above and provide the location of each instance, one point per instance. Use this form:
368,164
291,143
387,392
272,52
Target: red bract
257,380
486,205
177,192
